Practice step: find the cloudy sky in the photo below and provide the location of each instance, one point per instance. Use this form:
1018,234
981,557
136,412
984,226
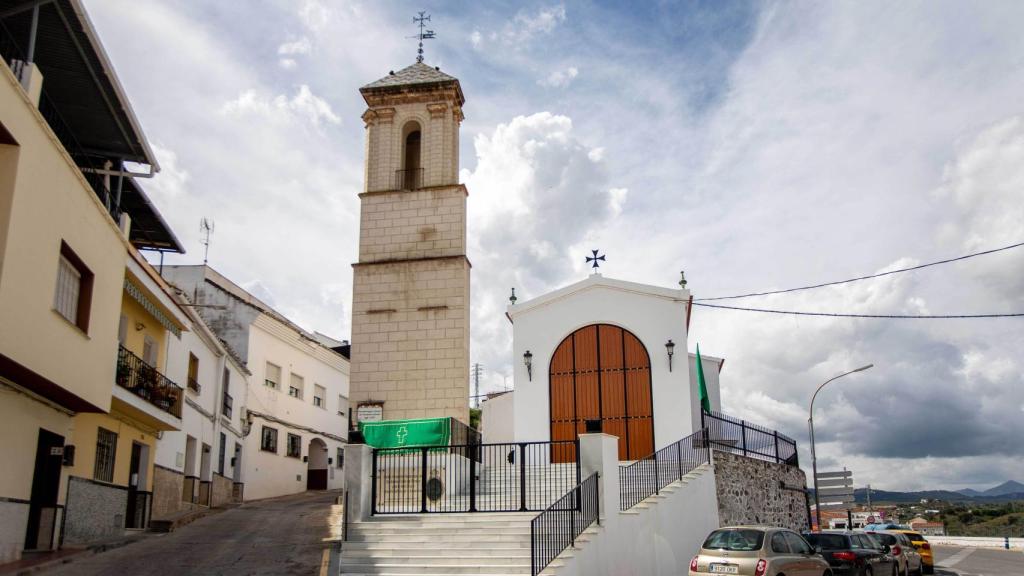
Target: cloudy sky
755,145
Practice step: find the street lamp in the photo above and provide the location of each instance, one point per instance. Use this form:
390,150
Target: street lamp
814,458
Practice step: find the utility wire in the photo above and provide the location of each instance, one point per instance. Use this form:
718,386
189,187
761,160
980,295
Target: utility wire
947,261
839,315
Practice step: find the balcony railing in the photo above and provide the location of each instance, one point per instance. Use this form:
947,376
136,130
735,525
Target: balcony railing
409,179
194,385
139,378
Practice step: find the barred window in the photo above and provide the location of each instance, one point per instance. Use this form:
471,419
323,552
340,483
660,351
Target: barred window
294,446
268,442
318,396
341,457
106,449
73,292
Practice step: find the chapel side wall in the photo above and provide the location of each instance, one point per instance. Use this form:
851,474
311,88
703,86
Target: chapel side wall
497,419
653,319
749,492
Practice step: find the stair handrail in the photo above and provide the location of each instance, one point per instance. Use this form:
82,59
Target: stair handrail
557,527
648,476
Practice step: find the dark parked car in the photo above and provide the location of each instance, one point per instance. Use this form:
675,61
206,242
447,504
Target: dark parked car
853,553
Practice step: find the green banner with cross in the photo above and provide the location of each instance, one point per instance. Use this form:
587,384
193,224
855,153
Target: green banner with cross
407,433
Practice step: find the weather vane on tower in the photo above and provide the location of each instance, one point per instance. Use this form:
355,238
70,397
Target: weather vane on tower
424,34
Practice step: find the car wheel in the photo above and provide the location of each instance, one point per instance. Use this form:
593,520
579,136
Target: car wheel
929,569
867,571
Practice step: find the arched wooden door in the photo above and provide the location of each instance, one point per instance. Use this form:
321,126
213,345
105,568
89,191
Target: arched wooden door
603,372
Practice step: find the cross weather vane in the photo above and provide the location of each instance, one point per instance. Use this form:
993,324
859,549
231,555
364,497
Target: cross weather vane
424,34
595,258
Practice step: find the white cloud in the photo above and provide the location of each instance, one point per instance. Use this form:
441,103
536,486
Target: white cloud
287,63
544,20
476,39
304,104
315,14
300,46
560,78
523,28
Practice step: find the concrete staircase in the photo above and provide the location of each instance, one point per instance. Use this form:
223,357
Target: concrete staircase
436,544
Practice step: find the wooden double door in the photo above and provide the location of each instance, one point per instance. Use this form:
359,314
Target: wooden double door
603,372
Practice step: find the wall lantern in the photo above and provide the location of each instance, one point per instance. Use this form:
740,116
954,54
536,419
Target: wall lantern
670,347
528,360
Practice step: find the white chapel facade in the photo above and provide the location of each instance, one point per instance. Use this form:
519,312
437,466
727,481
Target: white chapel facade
410,310
600,349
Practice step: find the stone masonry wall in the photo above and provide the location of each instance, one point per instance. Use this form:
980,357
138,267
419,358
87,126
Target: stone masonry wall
749,492
167,489
400,225
95,511
222,488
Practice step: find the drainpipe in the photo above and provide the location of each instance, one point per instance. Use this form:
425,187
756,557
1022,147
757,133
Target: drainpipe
31,56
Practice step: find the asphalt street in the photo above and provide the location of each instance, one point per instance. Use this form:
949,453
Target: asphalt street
956,561
282,536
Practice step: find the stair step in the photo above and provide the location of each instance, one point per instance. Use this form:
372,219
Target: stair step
425,536
450,560
435,568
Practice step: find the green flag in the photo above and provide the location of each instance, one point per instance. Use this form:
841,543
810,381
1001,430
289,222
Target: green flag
705,402
402,433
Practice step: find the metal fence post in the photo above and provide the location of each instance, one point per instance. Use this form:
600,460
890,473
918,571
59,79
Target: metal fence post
472,483
373,483
777,460
743,431
577,491
423,481
679,455
522,477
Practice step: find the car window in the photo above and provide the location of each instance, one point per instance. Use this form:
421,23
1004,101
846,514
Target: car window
779,544
736,539
867,542
797,544
856,543
827,541
914,536
887,539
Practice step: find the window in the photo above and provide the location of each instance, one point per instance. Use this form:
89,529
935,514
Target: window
797,544
341,457
268,442
122,330
779,545
220,459
149,351
735,539
193,372
226,400
295,389
272,378
294,446
73,294
318,396
341,405
106,449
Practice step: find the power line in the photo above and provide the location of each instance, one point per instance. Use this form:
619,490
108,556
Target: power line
841,315
947,261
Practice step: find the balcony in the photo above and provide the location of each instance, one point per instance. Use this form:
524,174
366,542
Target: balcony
146,382
409,179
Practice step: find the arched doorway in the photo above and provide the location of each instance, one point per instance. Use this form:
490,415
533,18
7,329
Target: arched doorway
412,170
316,469
603,372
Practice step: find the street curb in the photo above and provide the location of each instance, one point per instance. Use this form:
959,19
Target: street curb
69,558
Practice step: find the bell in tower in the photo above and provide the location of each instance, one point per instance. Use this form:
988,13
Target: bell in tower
410,310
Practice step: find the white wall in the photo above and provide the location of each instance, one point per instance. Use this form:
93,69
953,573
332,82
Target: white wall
653,314
659,540
497,419
268,474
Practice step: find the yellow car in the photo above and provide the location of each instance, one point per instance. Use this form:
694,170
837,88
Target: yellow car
923,548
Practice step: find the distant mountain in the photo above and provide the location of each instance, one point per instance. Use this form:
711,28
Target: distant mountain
970,492
1005,489
880,496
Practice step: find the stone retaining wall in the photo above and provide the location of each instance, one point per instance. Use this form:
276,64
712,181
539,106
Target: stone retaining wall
222,491
749,492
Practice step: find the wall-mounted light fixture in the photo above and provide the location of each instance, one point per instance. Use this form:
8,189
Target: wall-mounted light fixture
528,360
139,326
513,298
670,347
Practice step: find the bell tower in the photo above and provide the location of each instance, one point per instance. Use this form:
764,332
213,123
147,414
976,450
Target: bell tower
410,309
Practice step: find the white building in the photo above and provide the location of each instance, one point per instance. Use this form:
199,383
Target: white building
200,465
608,350
296,408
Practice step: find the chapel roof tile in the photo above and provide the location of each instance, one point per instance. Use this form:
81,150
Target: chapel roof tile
418,73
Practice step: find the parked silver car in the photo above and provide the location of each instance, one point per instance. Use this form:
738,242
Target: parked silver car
908,559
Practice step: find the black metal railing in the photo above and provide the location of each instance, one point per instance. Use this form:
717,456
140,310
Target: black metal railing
558,526
737,436
648,476
226,405
139,378
512,477
344,517
409,179
194,385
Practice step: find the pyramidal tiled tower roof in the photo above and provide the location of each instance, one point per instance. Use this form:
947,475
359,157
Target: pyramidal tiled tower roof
418,73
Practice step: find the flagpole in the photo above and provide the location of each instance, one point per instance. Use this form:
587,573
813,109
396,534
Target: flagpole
810,426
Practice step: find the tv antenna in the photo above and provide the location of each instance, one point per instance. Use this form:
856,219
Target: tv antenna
424,34
206,229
